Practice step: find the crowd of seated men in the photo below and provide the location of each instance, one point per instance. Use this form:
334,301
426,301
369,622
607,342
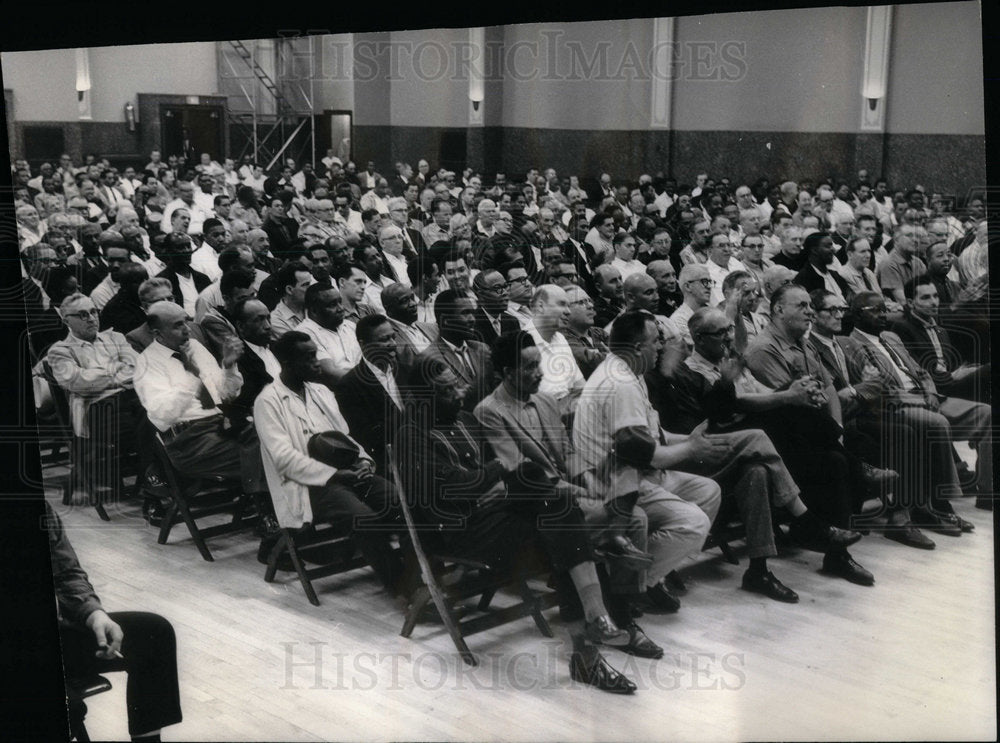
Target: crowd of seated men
566,374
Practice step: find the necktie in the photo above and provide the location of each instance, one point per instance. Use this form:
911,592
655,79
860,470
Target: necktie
899,364
204,397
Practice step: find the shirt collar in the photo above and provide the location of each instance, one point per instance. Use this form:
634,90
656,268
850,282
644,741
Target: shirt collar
453,347
873,338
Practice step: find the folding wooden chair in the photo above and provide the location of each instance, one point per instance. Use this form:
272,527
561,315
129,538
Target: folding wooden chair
78,689
449,580
330,548
194,499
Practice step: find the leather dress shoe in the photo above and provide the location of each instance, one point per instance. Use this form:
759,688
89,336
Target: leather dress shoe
660,599
765,583
954,518
824,538
909,535
875,477
603,631
639,644
675,582
939,523
621,549
588,666
842,565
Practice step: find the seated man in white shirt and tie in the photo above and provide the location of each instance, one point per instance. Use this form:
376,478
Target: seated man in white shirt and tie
337,348
181,385
561,377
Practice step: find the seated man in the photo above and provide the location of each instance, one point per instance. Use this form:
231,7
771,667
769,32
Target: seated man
492,318
696,285
217,325
152,291
523,424
180,385
457,348
623,453
809,442
287,414
413,337
368,395
930,344
92,366
468,503
588,343
292,281
337,347
909,393
124,313
561,377
709,385
142,645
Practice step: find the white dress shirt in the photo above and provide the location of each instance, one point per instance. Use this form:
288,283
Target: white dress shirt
398,265
189,294
560,372
340,345
388,383
271,365
169,393
103,292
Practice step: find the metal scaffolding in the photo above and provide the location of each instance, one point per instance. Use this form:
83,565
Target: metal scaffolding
270,84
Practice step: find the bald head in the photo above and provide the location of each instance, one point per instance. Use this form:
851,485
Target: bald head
641,293
609,281
162,314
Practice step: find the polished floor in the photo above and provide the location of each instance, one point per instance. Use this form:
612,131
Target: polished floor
911,658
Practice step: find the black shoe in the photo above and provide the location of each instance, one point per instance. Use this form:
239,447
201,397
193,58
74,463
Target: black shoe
588,666
820,537
603,631
984,502
621,549
909,535
639,644
842,565
153,510
675,582
954,518
660,599
876,478
939,523
264,553
765,583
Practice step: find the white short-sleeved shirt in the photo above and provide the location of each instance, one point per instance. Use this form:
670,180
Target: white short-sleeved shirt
614,398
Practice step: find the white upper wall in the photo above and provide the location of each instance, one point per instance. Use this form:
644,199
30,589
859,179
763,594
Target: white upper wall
44,82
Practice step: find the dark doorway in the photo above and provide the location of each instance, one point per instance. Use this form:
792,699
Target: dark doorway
453,149
333,132
43,144
192,130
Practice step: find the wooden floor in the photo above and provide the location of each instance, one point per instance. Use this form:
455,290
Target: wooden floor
910,658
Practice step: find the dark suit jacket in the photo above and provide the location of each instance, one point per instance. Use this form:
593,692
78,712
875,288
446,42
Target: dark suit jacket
917,340
255,378
584,263
417,239
861,352
201,281
796,264
217,327
406,356
809,280
868,392
589,352
479,378
370,413
484,328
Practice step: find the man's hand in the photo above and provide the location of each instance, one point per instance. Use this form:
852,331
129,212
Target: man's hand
708,446
731,368
803,392
870,373
232,349
963,371
107,633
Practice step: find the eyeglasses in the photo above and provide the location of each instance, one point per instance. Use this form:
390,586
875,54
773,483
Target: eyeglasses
834,310
720,332
879,308
518,280
84,314
707,283
499,289
582,303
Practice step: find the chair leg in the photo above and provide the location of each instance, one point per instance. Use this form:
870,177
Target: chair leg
307,585
194,531
531,600
169,519
486,598
418,602
275,555
77,710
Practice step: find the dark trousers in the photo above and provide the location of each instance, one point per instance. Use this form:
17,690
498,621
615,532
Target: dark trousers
149,657
371,508
828,477
112,425
203,449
